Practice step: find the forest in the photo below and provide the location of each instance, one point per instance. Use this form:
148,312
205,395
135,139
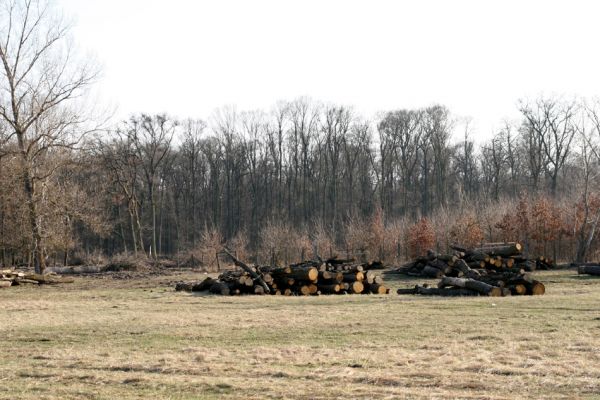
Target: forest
306,176
284,183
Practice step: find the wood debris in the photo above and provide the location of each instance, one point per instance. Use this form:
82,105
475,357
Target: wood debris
494,269
333,276
9,277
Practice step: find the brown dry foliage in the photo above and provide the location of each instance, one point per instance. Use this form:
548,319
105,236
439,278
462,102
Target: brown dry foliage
421,237
467,231
282,243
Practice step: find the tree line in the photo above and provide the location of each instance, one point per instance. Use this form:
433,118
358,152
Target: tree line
157,186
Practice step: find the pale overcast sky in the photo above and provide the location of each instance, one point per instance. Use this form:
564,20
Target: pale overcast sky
188,57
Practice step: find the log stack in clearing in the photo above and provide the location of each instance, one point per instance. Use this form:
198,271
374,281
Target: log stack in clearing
498,257
333,276
9,277
494,269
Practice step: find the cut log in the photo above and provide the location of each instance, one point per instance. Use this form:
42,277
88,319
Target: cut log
330,288
353,277
301,273
432,272
5,284
500,249
535,288
377,289
518,289
257,278
471,284
49,279
407,290
449,292
220,288
589,270
356,287
304,290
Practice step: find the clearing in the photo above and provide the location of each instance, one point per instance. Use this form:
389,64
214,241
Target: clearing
103,338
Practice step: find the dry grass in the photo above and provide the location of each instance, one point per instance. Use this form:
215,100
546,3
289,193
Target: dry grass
140,339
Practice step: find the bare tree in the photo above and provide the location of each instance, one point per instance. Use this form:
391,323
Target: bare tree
40,80
551,122
151,138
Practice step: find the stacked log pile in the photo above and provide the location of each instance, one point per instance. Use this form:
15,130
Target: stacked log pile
494,269
9,277
333,276
497,257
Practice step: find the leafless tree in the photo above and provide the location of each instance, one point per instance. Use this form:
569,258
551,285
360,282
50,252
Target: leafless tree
550,122
40,80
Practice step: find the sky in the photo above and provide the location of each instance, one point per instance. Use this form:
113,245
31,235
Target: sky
190,57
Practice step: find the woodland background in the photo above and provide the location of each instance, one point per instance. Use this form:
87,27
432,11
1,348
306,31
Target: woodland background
306,177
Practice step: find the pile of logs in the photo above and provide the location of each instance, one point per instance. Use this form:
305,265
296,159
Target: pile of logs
589,269
498,257
494,269
332,276
9,277
503,284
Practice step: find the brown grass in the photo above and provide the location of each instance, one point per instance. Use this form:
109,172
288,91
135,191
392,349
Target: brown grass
109,339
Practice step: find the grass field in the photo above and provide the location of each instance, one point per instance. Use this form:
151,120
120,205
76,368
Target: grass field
111,339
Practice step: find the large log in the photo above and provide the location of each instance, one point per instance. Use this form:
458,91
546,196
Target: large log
220,288
48,279
519,289
446,292
257,278
432,272
377,289
471,284
353,277
5,284
356,287
500,249
329,288
589,270
301,273
535,288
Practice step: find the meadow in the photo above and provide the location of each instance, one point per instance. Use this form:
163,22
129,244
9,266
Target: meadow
104,338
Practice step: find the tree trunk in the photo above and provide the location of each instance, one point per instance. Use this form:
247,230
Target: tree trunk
36,236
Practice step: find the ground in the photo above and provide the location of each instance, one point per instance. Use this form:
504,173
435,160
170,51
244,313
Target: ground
138,338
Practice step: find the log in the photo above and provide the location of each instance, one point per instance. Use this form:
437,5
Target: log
21,281
353,277
407,291
48,279
329,288
356,287
301,273
471,284
535,288
5,284
257,278
304,290
220,288
441,265
500,249
377,289
450,292
589,270
432,272
519,289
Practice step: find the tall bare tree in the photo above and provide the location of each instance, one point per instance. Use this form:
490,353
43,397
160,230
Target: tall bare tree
39,81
